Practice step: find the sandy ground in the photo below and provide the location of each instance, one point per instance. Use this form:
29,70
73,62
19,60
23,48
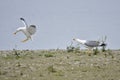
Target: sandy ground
59,65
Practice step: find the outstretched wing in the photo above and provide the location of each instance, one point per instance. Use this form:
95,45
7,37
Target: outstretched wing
31,29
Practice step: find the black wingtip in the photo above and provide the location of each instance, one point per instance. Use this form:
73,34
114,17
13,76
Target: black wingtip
22,19
103,44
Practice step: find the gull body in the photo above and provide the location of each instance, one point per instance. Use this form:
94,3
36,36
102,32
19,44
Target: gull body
27,30
89,43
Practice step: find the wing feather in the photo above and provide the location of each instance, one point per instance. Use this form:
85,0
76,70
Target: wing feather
32,29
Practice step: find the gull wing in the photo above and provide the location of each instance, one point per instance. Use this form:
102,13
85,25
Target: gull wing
31,29
92,43
24,22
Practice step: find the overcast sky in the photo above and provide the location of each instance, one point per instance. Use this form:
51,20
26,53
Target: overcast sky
58,21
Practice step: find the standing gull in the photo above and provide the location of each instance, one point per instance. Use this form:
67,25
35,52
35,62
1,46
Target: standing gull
88,44
91,43
27,30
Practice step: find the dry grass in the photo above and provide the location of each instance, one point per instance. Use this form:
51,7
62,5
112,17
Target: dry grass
59,65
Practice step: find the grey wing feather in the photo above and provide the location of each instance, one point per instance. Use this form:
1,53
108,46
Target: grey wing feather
32,29
92,43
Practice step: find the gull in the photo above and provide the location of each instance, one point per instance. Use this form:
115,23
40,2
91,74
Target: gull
91,43
28,30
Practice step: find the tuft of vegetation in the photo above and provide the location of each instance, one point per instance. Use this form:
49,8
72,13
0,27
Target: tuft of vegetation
103,49
16,53
95,51
51,69
49,55
71,48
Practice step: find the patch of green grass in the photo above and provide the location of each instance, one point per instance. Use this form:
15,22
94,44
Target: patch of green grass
73,49
51,69
49,55
59,73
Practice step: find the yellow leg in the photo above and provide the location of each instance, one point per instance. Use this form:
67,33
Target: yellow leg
25,40
14,33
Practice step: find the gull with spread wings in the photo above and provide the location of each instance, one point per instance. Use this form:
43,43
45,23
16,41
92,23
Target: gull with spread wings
28,30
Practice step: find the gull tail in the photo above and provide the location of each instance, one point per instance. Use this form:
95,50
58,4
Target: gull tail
79,40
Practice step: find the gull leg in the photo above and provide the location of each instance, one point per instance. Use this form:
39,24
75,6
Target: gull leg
16,32
31,38
25,40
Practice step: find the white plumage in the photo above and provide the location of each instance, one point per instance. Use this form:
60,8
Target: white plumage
27,30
